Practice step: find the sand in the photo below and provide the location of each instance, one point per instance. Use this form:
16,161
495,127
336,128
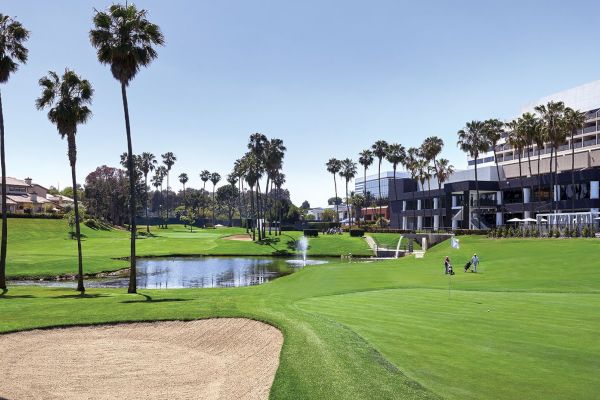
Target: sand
229,358
241,238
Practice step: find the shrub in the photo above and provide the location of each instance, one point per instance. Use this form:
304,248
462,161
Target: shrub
357,232
311,232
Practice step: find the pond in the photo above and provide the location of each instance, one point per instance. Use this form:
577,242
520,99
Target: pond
197,272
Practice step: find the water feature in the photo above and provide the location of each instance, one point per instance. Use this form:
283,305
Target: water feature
302,248
197,272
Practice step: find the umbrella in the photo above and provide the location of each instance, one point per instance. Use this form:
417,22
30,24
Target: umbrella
543,220
597,218
529,220
515,220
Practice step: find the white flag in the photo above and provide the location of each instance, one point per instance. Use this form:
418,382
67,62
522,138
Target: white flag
454,243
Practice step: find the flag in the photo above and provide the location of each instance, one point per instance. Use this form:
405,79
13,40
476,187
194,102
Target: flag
454,243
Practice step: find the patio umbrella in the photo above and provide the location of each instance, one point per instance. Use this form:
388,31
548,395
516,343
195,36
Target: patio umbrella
597,218
543,220
529,220
515,220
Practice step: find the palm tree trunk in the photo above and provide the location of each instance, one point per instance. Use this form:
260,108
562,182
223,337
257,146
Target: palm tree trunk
395,198
572,173
167,203
3,245
529,159
379,183
348,206
538,172
252,214
337,210
146,202
258,210
477,196
497,166
266,207
521,183
213,205
551,180
132,204
556,178
72,159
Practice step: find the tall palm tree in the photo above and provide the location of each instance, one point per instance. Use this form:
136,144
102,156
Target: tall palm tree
333,167
472,140
365,158
551,115
148,163
169,160
183,179
274,154
574,120
529,126
431,149
445,170
157,181
215,177
279,180
493,130
12,53
252,176
379,149
160,175
396,154
516,139
205,177
423,173
67,98
125,40
239,169
257,146
348,172
411,163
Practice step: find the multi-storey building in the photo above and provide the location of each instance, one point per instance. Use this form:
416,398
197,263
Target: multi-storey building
372,184
507,191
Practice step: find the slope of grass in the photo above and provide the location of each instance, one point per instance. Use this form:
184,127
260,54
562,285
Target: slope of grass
389,330
390,240
39,247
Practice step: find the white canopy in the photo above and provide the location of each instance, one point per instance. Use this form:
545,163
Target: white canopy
543,220
529,220
515,220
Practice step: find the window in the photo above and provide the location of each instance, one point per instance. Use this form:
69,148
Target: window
578,192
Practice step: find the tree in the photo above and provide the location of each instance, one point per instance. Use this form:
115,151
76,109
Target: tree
305,205
159,177
431,149
106,193
183,179
258,145
396,154
227,196
333,167
168,160
516,139
574,120
328,215
205,177
125,40
67,98
379,150
365,158
348,172
215,177
279,180
334,201
529,127
551,115
493,130
445,170
473,141
411,163
274,154
148,163
12,53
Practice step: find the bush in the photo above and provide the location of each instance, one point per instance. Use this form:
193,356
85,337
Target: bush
311,232
38,216
96,224
357,232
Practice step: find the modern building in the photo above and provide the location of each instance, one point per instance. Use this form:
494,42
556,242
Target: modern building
372,184
508,191
317,212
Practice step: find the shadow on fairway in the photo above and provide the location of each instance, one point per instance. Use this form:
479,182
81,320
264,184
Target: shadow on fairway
149,299
80,296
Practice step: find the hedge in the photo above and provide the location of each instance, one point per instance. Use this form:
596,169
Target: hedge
357,232
311,232
36,216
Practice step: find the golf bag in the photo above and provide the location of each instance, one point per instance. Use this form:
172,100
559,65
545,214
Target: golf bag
467,266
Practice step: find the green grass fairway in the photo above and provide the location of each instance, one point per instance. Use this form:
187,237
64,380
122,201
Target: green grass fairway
40,248
525,327
390,240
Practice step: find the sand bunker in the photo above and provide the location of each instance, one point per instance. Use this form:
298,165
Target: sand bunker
229,358
241,238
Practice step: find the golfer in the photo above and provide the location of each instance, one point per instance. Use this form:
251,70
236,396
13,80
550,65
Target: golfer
447,266
475,262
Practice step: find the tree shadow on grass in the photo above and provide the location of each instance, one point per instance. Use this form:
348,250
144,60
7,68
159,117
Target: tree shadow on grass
149,299
80,296
8,297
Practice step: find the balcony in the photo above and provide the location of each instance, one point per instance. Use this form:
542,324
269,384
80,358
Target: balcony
589,129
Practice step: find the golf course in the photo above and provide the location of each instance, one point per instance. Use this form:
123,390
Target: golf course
525,326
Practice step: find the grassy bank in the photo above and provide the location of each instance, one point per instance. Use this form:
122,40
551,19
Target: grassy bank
524,327
390,241
42,248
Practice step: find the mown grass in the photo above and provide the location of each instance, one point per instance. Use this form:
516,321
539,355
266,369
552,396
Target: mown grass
525,327
390,240
42,248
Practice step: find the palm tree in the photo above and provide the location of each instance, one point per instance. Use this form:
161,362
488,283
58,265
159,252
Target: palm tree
365,158
183,179
257,146
379,150
169,160
423,173
67,98
411,163
493,130
148,163
12,53
431,149
551,115
160,174
125,40
252,176
157,181
333,167
239,169
396,154
348,172
205,177
472,140
445,170
574,120
274,153
529,127
215,177
516,139
279,180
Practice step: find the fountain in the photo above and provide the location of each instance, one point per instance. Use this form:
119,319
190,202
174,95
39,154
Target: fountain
302,247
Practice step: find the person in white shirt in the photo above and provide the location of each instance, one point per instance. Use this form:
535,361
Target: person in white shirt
475,262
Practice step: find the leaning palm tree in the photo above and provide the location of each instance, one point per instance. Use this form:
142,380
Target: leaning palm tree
551,115
493,130
12,53
431,149
348,172
215,177
472,140
396,154
148,163
125,40
574,120
168,160
67,98
379,150
333,167
183,179
423,174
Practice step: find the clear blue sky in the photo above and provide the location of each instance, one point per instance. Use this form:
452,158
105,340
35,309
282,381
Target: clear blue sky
328,77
